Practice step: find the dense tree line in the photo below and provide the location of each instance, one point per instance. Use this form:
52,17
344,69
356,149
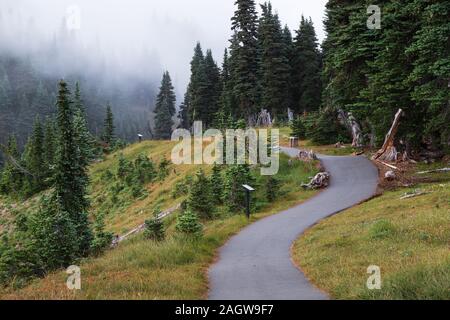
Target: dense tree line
264,68
26,93
405,64
60,232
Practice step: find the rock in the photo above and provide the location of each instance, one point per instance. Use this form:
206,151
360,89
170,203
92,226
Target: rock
321,180
307,155
390,176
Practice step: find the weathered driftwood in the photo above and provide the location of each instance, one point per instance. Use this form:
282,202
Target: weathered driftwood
387,165
434,171
264,119
388,152
416,193
350,122
306,155
140,228
321,180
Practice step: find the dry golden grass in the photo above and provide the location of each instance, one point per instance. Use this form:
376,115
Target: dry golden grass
173,269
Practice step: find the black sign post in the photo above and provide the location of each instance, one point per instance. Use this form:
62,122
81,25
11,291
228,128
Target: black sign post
248,189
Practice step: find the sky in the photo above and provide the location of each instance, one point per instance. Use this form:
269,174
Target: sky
127,32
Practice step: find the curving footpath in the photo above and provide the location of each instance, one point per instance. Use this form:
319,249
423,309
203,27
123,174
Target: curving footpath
256,264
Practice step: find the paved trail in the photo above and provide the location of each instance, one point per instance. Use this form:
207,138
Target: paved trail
256,264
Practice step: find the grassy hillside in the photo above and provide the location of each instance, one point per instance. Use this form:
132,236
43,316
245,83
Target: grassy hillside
175,268
408,239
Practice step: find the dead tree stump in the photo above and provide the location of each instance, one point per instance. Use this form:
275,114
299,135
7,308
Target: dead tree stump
388,152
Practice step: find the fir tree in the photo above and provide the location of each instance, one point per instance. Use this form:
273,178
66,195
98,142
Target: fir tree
298,128
188,223
307,69
234,195
273,66
200,196
244,52
154,228
35,157
108,127
272,188
70,174
83,138
216,183
55,236
49,144
165,109
430,53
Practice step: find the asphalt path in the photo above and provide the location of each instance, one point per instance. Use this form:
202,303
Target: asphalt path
256,263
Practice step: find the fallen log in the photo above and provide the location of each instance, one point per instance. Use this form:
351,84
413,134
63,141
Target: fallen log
388,152
387,165
416,193
434,171
117,239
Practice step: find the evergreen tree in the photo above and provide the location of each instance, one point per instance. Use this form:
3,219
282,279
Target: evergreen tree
12,178
227,99
102,239
213,90
165,109
298,128
307,69
188,223
200,196
49,144
289,51
244,53
54,235
108,127
273,64
83,138
272,188
430,53
183,114
235,177
70,174
35,158
154,228
216,183
196,92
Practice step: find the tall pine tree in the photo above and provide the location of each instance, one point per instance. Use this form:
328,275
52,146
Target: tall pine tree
307,69
71,178
273,64
244,53
165,109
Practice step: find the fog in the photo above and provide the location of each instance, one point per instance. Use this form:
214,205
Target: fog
135,38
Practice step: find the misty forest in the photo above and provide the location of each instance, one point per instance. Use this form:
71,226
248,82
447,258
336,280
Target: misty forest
65,109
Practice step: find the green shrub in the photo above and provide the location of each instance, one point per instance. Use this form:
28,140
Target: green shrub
188,223
154,228
102,239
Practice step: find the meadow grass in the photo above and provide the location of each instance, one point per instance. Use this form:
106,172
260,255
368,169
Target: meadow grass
408,239
177,267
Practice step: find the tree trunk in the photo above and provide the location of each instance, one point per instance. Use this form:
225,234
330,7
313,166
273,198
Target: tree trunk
388,152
